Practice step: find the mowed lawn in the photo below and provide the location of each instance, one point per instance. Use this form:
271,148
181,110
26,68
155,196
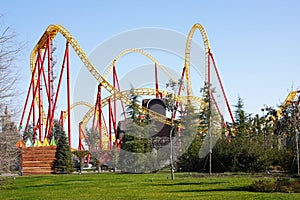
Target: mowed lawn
134,186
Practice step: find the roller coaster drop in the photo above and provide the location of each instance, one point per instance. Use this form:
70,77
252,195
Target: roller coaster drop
42,97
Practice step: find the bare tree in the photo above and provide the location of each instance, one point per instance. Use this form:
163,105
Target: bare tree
9,52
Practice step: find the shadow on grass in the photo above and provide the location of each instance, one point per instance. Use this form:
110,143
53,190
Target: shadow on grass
42,185
60,183
189,183
233,189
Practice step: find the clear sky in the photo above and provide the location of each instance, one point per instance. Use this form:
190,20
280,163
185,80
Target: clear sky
255,43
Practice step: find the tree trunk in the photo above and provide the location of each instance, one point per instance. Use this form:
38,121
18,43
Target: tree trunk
171,151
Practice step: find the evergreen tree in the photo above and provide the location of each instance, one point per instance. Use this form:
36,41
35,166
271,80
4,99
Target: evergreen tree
136,142
192,136
196,123
63,157
287,129
246,150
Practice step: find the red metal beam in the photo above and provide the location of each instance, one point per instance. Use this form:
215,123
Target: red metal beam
112,123
68,93
80,145
156,81
34,95
40,102
50,86
100,114
27,97
116,79
58,88
179,91
61,119
223,91
114,84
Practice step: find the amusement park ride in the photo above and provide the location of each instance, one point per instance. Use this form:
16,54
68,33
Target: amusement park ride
43,97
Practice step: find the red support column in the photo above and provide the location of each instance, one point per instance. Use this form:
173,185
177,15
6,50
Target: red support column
223,91
156,81
34,95
80,146
68,94
50,87
33,105
40,93
31,85
109,123
100,114
179,91
61,119
208,71
114,84
95,124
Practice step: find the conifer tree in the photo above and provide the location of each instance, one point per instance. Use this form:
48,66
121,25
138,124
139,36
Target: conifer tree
136,142
63,158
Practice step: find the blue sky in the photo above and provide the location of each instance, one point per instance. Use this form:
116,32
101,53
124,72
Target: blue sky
255,43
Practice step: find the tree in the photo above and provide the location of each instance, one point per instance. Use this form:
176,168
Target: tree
63,157
203,126
9,51
172,108
136,142
10,154
192,136
245,150
288,127
81,154
93,142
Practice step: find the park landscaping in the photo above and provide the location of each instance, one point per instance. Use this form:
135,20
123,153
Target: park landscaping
137,186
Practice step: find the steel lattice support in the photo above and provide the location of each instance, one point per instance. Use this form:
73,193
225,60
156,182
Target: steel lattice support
42,98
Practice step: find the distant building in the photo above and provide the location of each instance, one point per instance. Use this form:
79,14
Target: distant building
6,123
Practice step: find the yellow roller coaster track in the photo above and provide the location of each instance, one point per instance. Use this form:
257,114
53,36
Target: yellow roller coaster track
142,52
288,101
139,92
79,103
51,32
188,52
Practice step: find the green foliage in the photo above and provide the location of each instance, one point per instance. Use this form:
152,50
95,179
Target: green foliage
6,183
57,131
28,133
249,150
131,109
81,154
191,139
136,141
63,157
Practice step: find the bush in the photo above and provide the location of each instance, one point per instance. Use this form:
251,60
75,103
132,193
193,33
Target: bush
262,186
6,183
280,185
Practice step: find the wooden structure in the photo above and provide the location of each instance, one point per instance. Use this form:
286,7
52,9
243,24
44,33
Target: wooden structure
38,160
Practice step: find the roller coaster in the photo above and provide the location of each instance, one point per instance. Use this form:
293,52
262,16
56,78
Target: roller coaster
43,95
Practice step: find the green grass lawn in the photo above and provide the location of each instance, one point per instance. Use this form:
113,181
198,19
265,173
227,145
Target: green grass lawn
134,186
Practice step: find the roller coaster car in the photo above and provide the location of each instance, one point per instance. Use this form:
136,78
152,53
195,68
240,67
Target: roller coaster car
159,129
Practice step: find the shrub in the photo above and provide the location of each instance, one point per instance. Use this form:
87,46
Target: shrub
262,186
280,185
